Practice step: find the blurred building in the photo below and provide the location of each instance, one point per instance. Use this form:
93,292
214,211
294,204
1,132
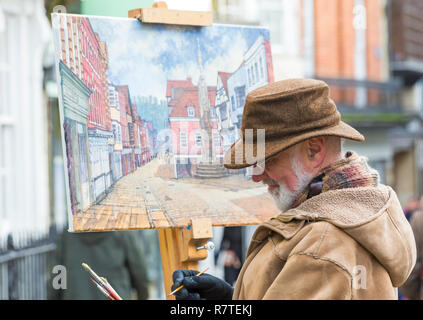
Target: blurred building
25,199
284,20
350,53
24,175
371,55
406,64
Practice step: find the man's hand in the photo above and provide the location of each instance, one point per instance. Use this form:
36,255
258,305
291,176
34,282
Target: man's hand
205,286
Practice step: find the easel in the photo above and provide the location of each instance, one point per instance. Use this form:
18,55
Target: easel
180,248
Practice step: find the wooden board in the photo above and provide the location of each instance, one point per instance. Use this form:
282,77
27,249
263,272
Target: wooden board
178,17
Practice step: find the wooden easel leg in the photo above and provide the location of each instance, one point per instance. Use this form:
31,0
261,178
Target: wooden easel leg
182,248
170,252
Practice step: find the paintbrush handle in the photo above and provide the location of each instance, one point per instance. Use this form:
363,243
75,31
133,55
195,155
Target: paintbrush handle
181,286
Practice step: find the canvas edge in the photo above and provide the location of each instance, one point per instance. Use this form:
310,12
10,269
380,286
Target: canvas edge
56,39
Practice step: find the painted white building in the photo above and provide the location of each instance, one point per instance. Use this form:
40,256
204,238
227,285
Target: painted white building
237,92
222,105
255,64
117,133
251,74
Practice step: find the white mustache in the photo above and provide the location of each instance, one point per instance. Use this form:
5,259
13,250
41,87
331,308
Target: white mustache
269,181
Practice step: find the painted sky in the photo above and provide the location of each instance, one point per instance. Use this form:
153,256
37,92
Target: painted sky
145,56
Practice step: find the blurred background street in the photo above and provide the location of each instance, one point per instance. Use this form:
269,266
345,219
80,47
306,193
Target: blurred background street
370,52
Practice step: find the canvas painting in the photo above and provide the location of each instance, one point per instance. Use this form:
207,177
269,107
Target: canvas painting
147,113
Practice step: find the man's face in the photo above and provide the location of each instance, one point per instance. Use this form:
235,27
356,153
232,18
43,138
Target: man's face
285,177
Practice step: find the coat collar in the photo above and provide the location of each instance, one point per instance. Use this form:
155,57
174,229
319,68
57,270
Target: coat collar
343,208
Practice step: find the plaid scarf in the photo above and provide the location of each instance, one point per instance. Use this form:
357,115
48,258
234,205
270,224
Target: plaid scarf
350,172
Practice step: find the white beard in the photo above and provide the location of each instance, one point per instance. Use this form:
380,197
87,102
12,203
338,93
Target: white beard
284,197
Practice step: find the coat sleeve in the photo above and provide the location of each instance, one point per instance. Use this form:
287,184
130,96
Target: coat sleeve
305,277
411,288
136,263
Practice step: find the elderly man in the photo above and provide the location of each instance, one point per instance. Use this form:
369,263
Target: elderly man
340,235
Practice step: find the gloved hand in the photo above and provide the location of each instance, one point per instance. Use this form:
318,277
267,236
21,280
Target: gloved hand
205,286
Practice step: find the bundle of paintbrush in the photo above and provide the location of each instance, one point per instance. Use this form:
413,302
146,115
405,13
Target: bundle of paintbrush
102,284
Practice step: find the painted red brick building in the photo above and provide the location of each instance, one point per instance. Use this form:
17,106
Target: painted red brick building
94,67
185,122
126,122
94,62
143,136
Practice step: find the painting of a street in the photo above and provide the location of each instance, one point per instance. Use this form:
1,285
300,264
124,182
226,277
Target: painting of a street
145,125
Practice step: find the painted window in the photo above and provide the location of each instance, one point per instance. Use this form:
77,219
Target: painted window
212,112
261,68
249,77
198,139
257,72
216,139
183,141
191,111
223,113
240,96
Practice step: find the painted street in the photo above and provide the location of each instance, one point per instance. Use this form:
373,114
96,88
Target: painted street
147,198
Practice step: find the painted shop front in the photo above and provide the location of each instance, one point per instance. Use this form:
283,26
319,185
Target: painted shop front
116,166
128,161
100,162
75,102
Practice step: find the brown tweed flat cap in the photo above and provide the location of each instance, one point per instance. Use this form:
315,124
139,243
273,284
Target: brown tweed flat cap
290,111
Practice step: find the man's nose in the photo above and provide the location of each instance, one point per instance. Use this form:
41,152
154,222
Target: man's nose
258,174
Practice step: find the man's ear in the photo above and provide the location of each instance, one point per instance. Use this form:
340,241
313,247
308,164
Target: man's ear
315,151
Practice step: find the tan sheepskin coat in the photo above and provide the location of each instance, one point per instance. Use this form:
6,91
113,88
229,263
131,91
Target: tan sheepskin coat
350,243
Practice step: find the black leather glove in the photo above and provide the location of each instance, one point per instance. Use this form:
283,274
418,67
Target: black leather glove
205,286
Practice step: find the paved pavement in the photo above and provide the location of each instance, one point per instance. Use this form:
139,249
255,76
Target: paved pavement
144,200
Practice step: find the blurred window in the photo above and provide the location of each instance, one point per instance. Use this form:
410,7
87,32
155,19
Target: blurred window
280,16
272,16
